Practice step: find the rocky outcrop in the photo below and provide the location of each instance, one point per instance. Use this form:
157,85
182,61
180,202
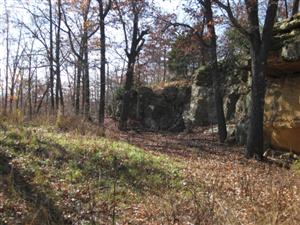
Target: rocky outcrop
282,112
282,101
200,111
160,108
286,38
236,91
180,105
240,116
285,51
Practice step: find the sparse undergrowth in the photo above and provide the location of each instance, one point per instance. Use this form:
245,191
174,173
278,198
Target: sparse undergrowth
89,178
296,166
93,180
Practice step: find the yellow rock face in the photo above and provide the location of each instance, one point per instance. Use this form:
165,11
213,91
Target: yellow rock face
282,113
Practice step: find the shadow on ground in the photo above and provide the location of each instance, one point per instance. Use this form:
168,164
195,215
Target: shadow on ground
45,210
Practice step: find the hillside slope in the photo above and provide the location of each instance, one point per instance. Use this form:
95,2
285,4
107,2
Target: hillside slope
50,177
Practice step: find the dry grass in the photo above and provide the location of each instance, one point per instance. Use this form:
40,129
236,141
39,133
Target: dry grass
235,190
77,124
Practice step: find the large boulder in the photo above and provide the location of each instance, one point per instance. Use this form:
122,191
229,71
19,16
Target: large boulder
242,118
164,110
160,109
201,108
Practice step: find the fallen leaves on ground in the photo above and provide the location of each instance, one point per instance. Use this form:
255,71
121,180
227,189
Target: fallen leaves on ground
167,179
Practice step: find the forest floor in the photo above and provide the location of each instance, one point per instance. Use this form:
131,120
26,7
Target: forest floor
52,177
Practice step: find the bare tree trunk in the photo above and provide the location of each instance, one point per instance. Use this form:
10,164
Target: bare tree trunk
7,60
86,92
20,92
103,14
102,77
78,86
47,96
82,62
295,7
2,92
74,87
42,99
137,42
35,90
14,75
286,9
126,97
215,70
260,45
59,92
51,58
165,65
11,96
29,88
255,140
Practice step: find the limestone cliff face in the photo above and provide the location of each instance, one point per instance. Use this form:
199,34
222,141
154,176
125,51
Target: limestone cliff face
286,41
282,101
282,112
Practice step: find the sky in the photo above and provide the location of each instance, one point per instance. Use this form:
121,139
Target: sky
15,9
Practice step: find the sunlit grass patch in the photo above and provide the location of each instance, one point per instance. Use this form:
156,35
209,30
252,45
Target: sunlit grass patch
88,172
296,167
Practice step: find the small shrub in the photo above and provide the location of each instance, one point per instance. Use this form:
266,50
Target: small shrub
119,93
43,120
15,117
296,166
78,125
68,123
